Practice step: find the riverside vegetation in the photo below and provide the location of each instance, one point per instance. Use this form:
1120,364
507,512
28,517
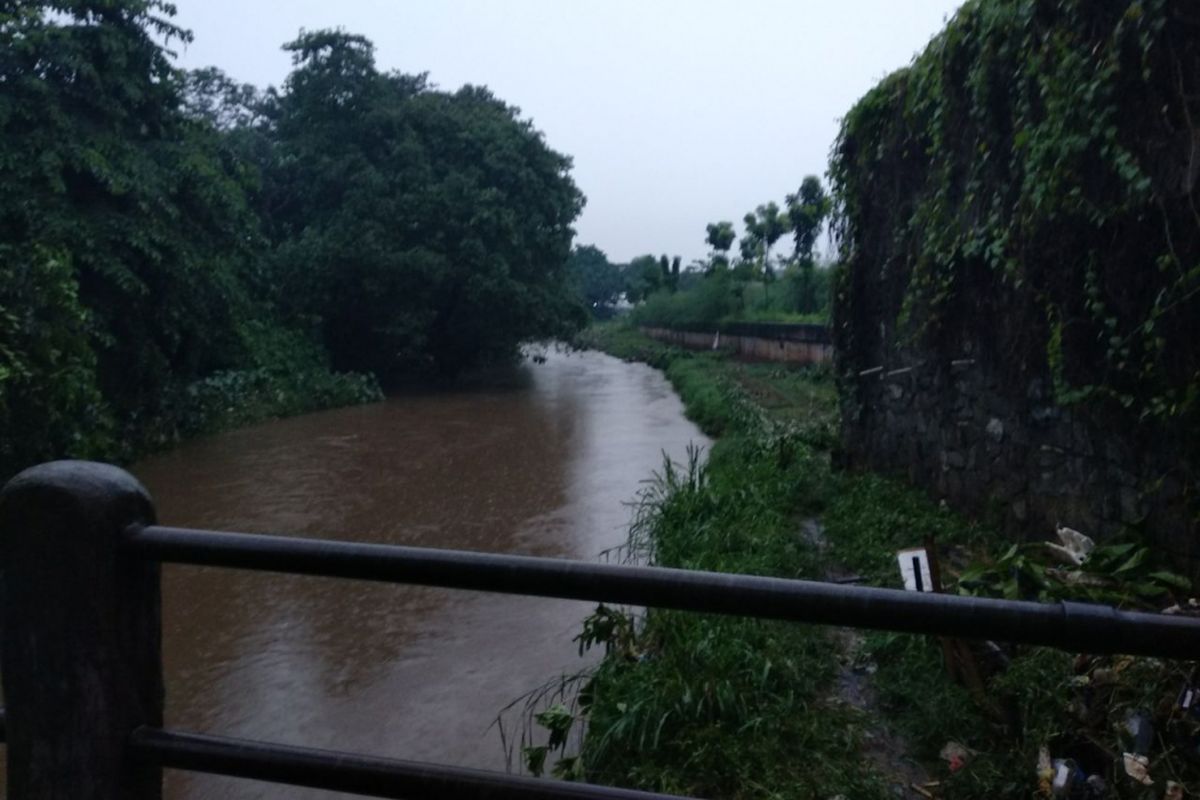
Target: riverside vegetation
180,252
724,707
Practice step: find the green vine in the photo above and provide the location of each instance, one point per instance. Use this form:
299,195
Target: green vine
1040,154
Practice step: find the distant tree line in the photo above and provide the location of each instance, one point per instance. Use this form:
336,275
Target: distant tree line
723,287
176,246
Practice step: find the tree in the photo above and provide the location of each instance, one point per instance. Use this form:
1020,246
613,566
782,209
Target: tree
103,168
720,236
643,277
750,245
764,227
419,229
807,211
670,272
49,401
212,96
598,282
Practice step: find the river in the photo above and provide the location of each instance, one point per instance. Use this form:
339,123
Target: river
544,464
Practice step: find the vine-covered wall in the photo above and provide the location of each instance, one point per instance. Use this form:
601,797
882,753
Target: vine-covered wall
1018,324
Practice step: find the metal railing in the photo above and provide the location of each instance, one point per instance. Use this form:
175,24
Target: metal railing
82,662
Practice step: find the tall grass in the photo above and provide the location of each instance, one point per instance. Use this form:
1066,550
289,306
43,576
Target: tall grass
724,707
715,706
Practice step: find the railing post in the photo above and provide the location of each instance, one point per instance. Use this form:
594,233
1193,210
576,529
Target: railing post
81,647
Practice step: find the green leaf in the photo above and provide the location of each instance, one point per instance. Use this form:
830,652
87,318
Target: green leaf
1134,561
1171,579
535,759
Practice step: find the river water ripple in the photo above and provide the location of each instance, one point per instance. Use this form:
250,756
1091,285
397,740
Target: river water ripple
544,465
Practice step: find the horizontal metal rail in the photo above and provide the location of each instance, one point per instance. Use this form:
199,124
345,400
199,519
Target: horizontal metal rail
347,772
1075,627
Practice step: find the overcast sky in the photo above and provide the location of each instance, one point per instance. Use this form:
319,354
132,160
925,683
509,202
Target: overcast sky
677,112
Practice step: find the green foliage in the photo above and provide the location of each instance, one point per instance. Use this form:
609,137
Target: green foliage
627,343
420,229
102,165
1117,574
1051,698
717,706
721,298
706,705
871,517
597,281
719,236
643,277
284,374
652,704
708,302
1029,185
1040,156
764,227
50,405
180,252
807,211
719,294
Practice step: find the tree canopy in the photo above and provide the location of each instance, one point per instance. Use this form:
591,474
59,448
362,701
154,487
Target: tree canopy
597,280
162,231
421,228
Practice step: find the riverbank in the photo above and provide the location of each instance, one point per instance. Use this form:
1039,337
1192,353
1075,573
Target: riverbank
712,706
281,375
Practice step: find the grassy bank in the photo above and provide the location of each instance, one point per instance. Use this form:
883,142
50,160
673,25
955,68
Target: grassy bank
284,376
278,373
733,708
716,706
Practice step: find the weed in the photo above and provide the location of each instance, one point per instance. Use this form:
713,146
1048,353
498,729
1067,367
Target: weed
726,707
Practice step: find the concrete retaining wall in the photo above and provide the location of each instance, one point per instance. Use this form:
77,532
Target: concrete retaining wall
792,344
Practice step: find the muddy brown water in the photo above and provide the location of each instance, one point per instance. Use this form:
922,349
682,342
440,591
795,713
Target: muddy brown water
542,465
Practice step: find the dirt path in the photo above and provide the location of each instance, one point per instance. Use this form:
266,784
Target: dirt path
882,750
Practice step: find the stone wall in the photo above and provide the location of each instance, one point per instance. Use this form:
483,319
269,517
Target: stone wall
984,442
1018,302
793,344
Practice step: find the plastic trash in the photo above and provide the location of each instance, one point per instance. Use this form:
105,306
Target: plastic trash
1074,548
1189,700
956,755
1138,768
1045,771
1140,728
1067,777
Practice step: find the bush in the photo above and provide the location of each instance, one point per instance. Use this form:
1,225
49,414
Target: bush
50,402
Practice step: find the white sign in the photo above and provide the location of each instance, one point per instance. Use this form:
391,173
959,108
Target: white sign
914,568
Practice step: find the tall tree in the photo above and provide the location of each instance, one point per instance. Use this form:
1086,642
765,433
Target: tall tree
643,277
419,228
720,236
597,280
764,227
103,167
807,211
